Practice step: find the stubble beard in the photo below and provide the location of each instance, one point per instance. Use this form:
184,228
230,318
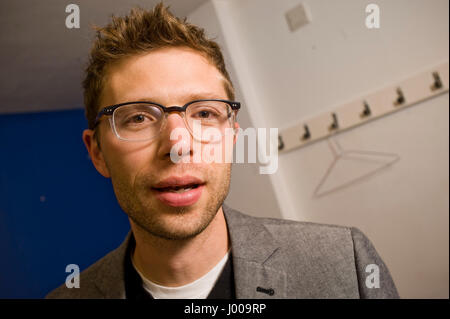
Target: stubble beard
177,223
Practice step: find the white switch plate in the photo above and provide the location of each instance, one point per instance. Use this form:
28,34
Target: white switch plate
298,17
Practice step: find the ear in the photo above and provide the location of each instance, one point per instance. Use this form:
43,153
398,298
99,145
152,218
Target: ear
95,153
236,130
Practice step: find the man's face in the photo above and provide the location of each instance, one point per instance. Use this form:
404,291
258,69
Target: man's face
169,76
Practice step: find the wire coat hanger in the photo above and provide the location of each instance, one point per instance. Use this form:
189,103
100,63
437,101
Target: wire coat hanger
340,154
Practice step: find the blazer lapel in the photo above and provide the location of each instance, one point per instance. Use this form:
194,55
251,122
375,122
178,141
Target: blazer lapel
256,263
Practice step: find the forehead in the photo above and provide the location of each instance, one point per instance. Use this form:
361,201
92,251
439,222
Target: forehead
167,75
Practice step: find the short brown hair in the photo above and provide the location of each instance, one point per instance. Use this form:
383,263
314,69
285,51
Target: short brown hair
139,32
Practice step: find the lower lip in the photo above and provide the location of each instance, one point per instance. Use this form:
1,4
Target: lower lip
180,199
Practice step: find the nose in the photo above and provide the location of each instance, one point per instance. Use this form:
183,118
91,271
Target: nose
175,137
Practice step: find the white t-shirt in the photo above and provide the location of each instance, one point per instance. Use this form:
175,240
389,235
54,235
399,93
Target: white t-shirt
198,289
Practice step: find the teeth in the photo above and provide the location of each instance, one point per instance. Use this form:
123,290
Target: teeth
181,190
178,189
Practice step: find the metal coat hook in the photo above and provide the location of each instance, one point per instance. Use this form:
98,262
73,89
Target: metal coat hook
307,134
335,124
280,143
367,111
437,82
400,97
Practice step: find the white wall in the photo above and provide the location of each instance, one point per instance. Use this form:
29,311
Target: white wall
285,77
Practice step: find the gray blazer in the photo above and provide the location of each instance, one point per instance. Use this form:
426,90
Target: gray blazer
287,259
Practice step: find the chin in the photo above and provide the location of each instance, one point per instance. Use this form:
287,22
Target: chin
172,232
174,223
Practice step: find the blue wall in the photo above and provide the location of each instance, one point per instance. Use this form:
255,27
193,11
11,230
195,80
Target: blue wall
55,209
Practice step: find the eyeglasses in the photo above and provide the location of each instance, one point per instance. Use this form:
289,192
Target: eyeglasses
141,121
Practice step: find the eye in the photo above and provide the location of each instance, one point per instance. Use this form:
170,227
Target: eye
139,118
204,114
208,112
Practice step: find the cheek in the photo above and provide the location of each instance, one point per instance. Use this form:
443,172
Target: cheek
126,160
219,174
220,151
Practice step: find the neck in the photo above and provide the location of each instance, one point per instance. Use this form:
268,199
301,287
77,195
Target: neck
179,262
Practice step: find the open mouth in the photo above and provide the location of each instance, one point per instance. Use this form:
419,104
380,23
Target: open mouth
179,195
177,189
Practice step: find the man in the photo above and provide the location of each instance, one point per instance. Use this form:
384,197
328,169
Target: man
184,242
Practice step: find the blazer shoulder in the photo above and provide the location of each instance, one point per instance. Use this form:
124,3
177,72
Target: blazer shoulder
289,231
242,218
87,289
284,228
326,260
336,243
104,278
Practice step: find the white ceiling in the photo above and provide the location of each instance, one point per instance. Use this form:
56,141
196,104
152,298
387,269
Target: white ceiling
42,61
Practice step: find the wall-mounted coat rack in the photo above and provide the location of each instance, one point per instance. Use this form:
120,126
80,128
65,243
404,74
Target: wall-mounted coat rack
385,101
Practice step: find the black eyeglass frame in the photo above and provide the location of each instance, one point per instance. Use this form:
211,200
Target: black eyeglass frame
109,110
